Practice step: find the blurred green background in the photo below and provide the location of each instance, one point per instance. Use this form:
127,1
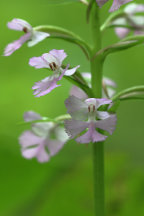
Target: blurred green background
64,186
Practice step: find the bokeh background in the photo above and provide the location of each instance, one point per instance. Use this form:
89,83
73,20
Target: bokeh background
64,186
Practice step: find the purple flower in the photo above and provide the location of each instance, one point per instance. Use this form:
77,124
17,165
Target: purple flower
38,141
116,4
86,119
136,22
52,60
33,37
107,83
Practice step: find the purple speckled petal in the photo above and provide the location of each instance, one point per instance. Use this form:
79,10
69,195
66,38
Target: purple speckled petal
71,71
121,32
75,127
16,44
91,135
117,3
19,25
101,2
28,138
107,124
79,93
31,116
37,37
76,108
58,54
38,62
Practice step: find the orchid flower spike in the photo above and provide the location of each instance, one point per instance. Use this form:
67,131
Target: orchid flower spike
132,19
44,140
116,3
86,119
108,87
52,60
31,36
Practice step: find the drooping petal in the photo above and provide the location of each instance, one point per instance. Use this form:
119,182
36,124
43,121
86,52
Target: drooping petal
38,62
59,54
28,138
37,37
71,71
16,44
31,116
76,108
75,127
91,135
117,3
101,2
107,124
79,93
19,25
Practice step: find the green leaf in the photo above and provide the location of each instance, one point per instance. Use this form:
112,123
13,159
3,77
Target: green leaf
136,92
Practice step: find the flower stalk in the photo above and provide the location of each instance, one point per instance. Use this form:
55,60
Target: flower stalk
96,82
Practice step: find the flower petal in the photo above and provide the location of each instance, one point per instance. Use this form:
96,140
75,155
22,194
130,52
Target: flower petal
42,129
91,135
43,156
122,32
28,138
16,44
31,116
38,62
19,25
71,71
59,54
75,127
102,115
79,93
98,102
76,108
107,124
54,146
37,37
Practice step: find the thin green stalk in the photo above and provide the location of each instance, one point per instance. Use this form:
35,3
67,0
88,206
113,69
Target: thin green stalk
98,148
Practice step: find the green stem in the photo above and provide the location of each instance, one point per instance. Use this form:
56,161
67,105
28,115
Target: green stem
98,148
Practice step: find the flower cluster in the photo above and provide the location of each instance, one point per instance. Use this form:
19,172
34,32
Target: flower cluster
85,115
44,140
52,60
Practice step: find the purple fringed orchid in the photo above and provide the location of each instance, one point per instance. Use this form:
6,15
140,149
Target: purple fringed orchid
85,115
116,3
38,142
135,22
52,60
108,85
31,36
